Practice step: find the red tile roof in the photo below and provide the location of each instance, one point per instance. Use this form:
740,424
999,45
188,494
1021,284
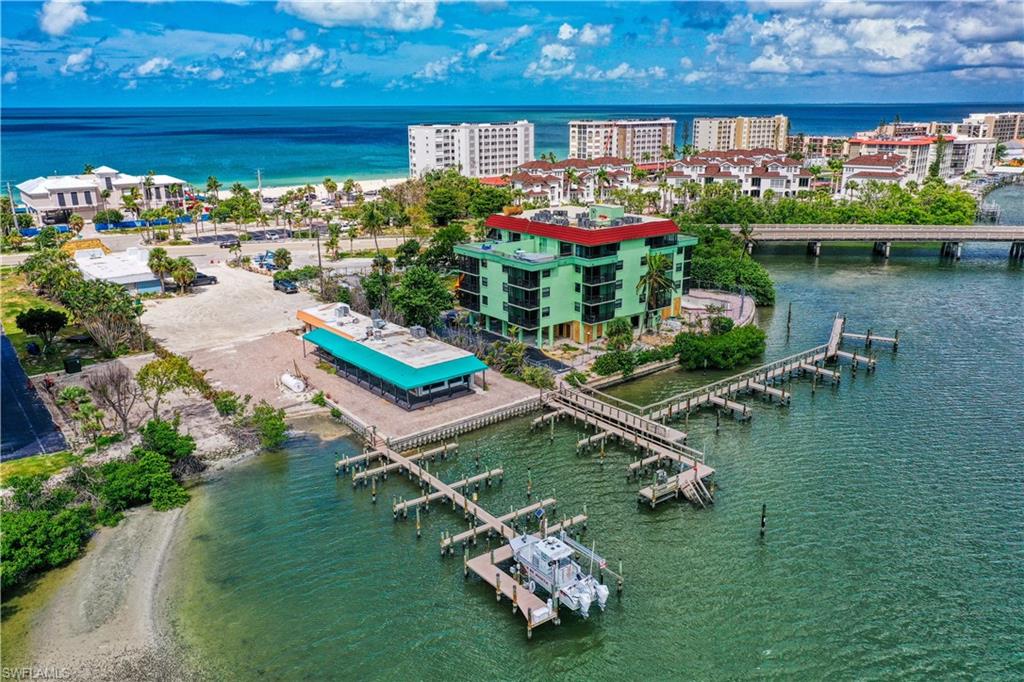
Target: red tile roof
494,182
587,237
527,178
883,160
900,142
875,175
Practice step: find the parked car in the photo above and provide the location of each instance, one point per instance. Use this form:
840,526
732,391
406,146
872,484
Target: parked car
286,285
203,279
273,236
228,243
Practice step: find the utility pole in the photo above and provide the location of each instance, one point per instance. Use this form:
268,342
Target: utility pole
320,267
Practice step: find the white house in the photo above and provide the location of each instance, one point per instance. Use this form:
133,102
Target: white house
889,168
128,268
54,198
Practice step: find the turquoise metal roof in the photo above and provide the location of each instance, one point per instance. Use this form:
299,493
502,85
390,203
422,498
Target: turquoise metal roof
387,367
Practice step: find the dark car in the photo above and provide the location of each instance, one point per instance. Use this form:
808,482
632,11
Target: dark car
203,279
286,285
228,243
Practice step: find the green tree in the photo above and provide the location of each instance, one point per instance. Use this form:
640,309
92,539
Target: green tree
160,264
331,187
269,424
108,216
42,322
440,254
282,259
183,272
165,375
421,296
76,223
407,253
372,220
444,204
107,311
656,281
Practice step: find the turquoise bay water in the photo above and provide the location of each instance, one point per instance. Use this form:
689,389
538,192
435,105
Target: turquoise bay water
895,544
304,144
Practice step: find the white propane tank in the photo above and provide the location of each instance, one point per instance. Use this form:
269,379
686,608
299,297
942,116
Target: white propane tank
293,382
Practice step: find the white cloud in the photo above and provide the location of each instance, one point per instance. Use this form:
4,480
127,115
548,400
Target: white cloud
622,72
338,83
60,16
153,67
132,85
295,35
215,74
771,61
588,34
10,78
517,36
887,38
439,69
77,62
696,77
592,34
394,15
556,61
476,50
685,63
296,60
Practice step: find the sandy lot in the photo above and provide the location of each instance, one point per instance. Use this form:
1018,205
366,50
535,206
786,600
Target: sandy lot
240,307
255,366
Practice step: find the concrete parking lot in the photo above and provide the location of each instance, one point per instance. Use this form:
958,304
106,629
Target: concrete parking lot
242,306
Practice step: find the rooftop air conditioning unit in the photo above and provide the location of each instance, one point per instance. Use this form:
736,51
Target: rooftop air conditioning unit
375,314
418,332
379,324
377,335
342,311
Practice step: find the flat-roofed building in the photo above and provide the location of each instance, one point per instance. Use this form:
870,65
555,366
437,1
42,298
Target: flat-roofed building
740,132
564,273
54,198
475,149
887,168
404,366
128,268
1004,126
816,147
641,140
919,152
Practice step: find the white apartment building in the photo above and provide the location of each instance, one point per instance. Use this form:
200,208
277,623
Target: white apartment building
638,139
972,154
572,180
740,132
886,168
54,198
477,150
919,152
1005,126
753,171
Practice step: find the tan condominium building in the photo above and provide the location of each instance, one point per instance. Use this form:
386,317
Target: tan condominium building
740,132
1005,126
475,149
641,140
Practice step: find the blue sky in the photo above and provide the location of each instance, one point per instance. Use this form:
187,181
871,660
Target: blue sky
406,52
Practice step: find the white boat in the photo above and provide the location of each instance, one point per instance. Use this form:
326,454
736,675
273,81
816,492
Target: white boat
547,563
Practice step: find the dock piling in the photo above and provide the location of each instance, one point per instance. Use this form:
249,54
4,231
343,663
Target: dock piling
764,514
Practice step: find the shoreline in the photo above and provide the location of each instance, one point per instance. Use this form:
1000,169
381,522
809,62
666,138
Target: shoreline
274,191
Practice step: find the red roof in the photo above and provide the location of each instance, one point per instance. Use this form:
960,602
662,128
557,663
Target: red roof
494,182
876,175
586,237
900,142
884,160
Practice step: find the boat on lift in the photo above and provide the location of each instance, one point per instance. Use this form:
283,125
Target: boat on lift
548,563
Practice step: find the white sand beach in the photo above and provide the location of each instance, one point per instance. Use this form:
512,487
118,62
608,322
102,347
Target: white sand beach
275,191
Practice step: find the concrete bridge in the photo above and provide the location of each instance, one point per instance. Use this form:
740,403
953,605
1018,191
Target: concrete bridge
951,237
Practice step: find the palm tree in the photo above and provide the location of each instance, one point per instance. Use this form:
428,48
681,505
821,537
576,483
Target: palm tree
147,183
88,169
570,179
372,221
195,211
353,232
602,181
656,280
836,167
333,239
104,198
746,233
76,223
130,201
331,187
668,152
161,264
183,271
236,251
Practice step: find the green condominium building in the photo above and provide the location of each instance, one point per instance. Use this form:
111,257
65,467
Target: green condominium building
563,273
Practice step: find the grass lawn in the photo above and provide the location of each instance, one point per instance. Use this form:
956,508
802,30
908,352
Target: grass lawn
16,296
37,464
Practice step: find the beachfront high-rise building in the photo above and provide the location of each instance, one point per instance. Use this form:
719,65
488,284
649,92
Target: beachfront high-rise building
815,147
1005,126
54,198
641,140
717,134
476,149
549,274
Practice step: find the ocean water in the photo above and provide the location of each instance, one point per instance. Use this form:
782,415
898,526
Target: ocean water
299,144
895,543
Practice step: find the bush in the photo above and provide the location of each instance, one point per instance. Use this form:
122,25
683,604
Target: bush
38,539
615,361
269,424
160,236
108,216
318,399
538,377
720,324
732,349
229,403
576,378
162,437
146,478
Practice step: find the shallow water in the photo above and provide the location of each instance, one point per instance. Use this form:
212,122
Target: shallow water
895,544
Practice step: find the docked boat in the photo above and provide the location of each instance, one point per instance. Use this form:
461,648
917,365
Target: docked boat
548,564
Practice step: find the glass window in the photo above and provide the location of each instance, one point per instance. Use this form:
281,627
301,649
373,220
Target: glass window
679,267
643,260
577,306
484,299
483,280
618,266
577,268
545,273
545,312
577,287
618,303
74,198
545,292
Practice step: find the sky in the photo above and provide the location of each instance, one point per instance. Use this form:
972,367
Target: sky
506,52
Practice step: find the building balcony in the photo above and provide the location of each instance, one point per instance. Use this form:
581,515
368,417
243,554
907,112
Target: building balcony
469,300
